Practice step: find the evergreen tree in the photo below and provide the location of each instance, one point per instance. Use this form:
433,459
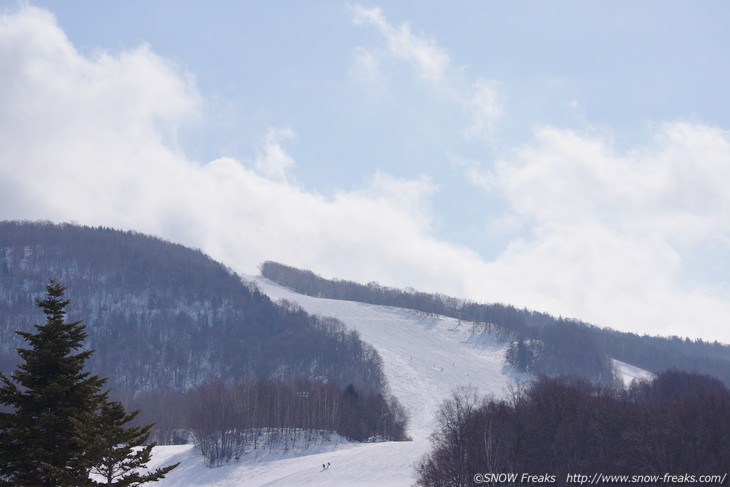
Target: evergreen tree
115,452
50,397
45,393
521,356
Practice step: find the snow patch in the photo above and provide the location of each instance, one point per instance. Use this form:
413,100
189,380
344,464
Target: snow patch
629,373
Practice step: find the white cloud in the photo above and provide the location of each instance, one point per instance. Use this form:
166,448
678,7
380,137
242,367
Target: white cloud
429,60
672,189
66,119
273,161
84,139
480,98
611,234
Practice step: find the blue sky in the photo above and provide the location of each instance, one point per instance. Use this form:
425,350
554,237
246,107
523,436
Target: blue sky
570,157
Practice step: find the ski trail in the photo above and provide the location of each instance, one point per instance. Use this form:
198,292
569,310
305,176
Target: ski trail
424,360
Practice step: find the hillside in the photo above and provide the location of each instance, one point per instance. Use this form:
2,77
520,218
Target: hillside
166,319
424,359
163,316
539,343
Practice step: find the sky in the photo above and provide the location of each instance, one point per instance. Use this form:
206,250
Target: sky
568,157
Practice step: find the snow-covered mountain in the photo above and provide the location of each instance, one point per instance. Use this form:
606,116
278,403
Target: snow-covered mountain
425,359
163,315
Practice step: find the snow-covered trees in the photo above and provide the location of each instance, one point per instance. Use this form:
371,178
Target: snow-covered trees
167,316
231,420
60,425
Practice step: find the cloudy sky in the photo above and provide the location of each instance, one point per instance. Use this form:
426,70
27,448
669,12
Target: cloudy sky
570,157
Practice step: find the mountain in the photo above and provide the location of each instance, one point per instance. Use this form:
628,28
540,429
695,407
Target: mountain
163,316
539,343
425,357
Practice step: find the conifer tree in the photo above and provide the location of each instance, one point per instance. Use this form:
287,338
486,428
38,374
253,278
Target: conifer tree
115,452
49,397
46,392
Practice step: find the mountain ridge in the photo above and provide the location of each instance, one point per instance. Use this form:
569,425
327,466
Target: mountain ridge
539,342
160,314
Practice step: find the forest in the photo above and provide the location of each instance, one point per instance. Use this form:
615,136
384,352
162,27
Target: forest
677,424
540,344
229,420
166,322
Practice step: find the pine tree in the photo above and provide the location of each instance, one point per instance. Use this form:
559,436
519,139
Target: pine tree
116,452
50,397
46,392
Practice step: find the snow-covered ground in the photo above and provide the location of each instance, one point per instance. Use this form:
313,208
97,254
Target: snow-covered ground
424,358
630,373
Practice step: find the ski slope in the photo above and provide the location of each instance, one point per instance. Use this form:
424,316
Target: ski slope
630,373
424,359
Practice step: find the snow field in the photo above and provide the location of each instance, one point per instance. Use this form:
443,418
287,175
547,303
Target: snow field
424,360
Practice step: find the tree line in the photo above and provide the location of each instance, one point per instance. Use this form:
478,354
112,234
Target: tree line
232,420
165,316
538,342
59,427
167,322
679,423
